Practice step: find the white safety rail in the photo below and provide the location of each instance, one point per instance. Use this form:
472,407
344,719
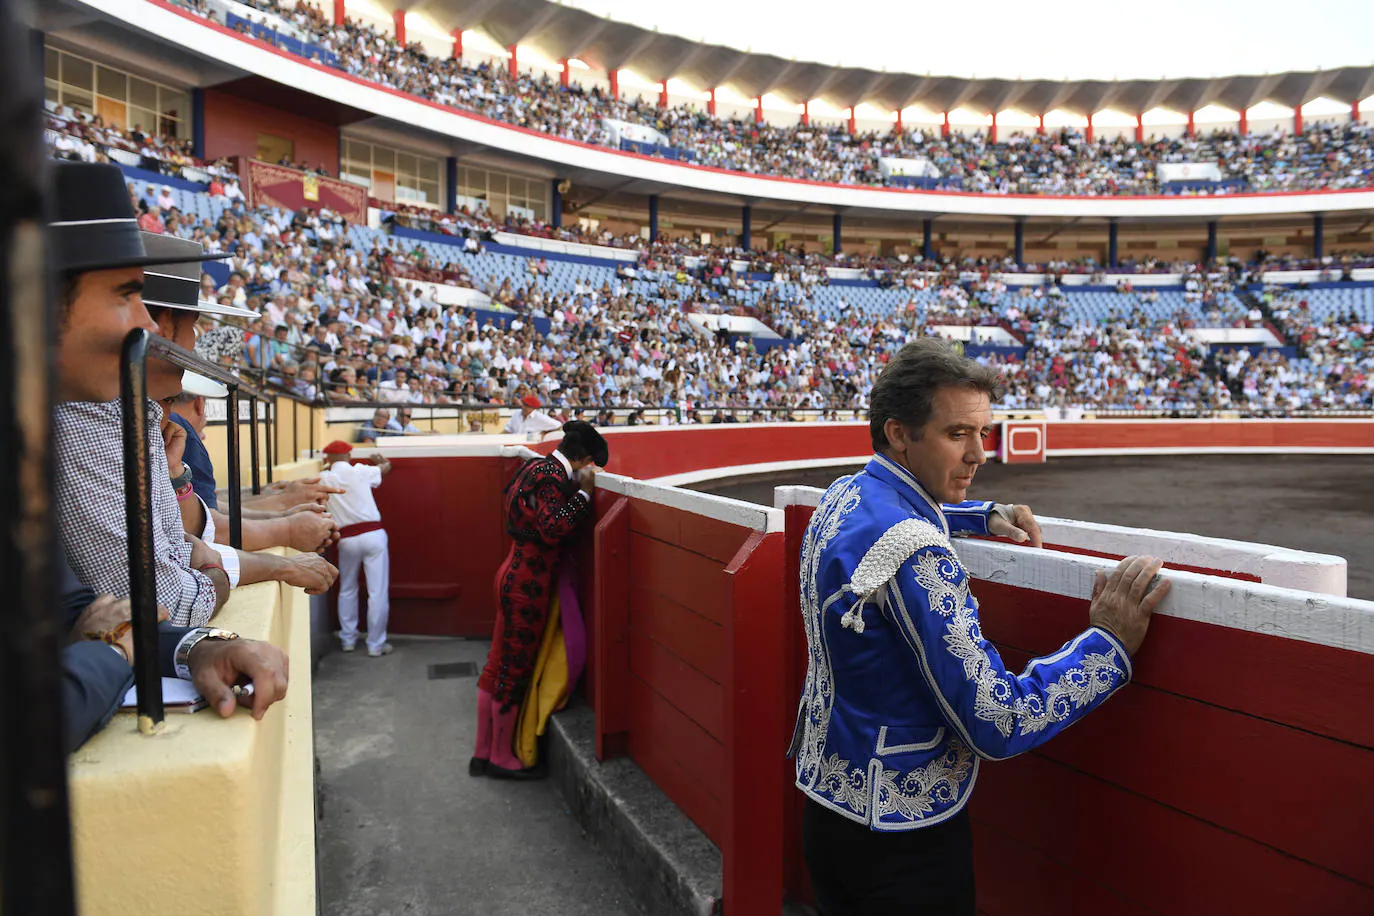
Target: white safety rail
721,508
1295,571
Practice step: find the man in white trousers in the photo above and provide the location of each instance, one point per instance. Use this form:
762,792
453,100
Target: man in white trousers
362,542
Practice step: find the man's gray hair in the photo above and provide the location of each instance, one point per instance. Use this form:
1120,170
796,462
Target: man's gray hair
906,388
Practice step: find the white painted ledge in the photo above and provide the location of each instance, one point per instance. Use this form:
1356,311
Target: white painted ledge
731,511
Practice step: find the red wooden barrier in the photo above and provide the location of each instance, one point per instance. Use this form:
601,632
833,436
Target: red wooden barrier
689,676
1230,776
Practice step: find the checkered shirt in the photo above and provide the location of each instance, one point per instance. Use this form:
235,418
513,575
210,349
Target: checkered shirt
90,510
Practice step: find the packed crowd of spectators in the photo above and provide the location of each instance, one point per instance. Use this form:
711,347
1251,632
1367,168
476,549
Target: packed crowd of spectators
345,323
1060,162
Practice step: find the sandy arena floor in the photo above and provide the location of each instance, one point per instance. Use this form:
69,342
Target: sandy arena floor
1322,503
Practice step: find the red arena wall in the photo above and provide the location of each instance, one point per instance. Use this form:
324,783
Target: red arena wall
1230,776
232,125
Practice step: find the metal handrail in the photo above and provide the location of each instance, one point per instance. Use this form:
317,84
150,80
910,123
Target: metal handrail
138,346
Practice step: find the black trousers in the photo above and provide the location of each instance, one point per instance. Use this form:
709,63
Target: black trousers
856,871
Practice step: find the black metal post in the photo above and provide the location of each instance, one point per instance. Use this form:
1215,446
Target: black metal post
271,430
254,471
231,426
138,518
35,841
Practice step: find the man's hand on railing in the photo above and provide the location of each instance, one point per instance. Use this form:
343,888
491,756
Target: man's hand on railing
217,665
311,532
306,490
309,571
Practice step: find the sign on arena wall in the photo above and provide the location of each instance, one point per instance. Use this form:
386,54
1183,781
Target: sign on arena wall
1188,171
291,189
1023,442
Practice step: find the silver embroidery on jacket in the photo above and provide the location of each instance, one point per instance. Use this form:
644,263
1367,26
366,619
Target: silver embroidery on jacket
818,694
915,794
946,585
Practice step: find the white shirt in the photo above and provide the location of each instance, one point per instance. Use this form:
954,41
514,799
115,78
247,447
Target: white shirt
356,504
536,422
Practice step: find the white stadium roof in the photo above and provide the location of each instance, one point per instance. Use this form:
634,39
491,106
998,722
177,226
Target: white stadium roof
563,31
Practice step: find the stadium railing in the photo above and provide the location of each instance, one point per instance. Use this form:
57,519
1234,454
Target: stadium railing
139,347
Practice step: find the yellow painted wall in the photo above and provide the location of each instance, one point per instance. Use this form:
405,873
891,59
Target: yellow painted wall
298,429
211,816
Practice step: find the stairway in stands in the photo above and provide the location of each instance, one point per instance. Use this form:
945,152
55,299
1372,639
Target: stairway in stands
1256,302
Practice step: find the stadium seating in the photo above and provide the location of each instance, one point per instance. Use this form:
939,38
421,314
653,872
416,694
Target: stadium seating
1062,162
1088,347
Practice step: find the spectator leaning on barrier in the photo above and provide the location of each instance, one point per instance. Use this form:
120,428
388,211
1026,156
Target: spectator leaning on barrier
99,253
903,693
167,290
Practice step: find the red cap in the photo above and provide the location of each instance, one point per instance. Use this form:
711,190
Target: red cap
338,447
531,401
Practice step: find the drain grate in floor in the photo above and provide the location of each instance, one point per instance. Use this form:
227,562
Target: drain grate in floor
451,670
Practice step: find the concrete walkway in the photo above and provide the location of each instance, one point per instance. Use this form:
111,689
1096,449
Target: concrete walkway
407,831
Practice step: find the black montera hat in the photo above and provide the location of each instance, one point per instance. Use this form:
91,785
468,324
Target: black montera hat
173,280
93,226
586,435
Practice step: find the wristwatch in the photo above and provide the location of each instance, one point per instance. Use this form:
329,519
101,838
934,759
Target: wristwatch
181,660
184,478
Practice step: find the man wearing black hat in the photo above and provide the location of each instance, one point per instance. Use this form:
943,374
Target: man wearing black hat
98,250
89,487
545,504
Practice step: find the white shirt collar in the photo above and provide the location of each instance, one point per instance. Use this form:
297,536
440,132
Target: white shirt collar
563,460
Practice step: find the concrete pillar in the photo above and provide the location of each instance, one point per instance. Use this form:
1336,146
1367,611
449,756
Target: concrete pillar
944,128
1318,236
1297,120
338,12
927,231
663,94
1211,254
1020,241
1112,260
1355,110
1040,125
1139,128
758,110
853,126
197,122
837,232
1088,134
745,233
899,121
806,114
992,129
1244,125
614,77
653,217
1191,129
711,103
451,184
513,61
398,20
555,204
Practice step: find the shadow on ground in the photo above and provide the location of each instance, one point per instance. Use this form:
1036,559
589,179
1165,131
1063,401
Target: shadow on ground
405,830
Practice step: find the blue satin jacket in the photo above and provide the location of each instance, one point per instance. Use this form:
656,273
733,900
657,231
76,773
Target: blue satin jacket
903,694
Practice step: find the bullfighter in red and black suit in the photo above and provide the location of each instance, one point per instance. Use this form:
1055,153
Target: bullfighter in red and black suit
545,505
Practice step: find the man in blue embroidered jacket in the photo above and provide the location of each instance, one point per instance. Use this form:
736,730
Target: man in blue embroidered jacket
903,695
